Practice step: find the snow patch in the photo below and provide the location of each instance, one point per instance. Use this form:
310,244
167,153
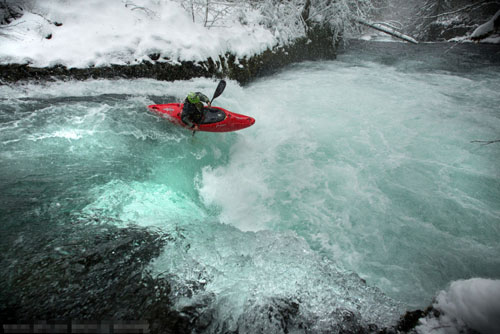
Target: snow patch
491,40
487,28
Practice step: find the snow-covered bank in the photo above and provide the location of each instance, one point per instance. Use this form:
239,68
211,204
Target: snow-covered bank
159,39
97,33
228,65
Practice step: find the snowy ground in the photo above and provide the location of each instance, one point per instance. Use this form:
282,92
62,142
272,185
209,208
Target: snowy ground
99,33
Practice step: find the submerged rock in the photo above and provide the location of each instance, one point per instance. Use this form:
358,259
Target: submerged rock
87,273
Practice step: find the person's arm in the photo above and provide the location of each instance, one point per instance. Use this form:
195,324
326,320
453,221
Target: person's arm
203,98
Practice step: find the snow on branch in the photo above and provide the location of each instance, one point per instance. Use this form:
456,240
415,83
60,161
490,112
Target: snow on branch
209,12
388,30
286,19
133,6
463,9
293,18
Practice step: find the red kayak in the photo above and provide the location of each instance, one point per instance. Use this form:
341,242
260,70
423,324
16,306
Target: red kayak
215,119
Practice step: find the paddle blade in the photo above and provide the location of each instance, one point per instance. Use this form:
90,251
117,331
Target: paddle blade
220,88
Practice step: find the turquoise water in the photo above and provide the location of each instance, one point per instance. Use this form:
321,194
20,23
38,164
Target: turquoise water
355,168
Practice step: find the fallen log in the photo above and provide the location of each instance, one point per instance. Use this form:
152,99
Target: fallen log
387,30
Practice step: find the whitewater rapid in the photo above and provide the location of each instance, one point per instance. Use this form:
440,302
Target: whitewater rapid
359,187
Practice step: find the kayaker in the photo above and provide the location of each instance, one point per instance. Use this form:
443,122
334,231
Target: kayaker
192,113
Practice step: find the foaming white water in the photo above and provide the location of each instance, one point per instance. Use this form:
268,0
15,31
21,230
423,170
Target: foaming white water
374,168
275,275
472,304
99,87
141,203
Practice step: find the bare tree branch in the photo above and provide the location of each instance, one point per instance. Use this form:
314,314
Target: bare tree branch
9,12
463,9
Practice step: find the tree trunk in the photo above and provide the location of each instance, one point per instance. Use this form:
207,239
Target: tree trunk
206,13
387,30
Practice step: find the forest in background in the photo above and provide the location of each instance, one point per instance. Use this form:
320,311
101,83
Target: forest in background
436,20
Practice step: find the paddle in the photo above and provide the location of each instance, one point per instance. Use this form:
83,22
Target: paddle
218,91
220,88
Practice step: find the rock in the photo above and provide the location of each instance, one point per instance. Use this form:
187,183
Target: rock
105,282
275,316
411,318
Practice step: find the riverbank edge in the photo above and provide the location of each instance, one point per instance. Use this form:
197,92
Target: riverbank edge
318,44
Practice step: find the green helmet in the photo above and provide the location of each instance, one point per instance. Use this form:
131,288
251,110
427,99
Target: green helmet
193,98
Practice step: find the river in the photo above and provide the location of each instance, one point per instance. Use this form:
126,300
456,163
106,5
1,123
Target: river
359,187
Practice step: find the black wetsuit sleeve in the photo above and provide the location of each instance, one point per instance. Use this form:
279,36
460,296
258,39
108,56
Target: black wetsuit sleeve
203,97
